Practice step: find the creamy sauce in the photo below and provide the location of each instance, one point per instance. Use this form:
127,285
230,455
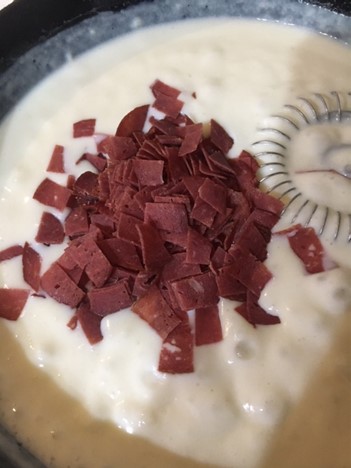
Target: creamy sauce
227,412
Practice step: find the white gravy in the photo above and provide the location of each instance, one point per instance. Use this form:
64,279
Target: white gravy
227,412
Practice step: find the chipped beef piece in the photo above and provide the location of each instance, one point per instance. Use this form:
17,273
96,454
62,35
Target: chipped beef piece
11,252
177,350
109,299
208,328
307,246
31,264
121,253
133,122
167,216
196,291
70,267
97,160
154,252
152,308
159,87
220,137
57,284
254,314
167,100
12,302
76,223
84,128
90,323
56,163
52,194
89,257
198,249
118,148
50,230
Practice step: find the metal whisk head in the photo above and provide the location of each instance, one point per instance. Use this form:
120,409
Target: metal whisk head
273,152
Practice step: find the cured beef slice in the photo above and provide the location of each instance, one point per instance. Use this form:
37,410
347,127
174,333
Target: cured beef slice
176,355
104,301
208,328
31,263
90,323
156,312
307,246
196,291
12,302
57,284
84,128
56,163
52,194
167,216
11,252
169,224
76,223
50,230
89,257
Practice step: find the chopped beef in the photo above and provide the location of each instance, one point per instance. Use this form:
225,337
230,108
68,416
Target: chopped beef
12,302
165,223
31,263
50,230
52,194
56,163
84,128
11,252
307,246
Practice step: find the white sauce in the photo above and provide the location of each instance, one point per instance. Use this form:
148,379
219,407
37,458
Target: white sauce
226,411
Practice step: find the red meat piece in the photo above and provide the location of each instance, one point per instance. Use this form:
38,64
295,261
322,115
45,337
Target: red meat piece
57,284
127,228
154,253
169,105
208,328
133,122
254,314
266,202
214,194
52,194
76,223
11,252
228,285
220,137
56,163
90,323
152,308
86,253
31,264
121,253
67,263
84,128
177,351
50,230
167,216
148,173
110,299
118,148
307,246
196,291
192,139
159,87
178,268
198,249
97,160
12,302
